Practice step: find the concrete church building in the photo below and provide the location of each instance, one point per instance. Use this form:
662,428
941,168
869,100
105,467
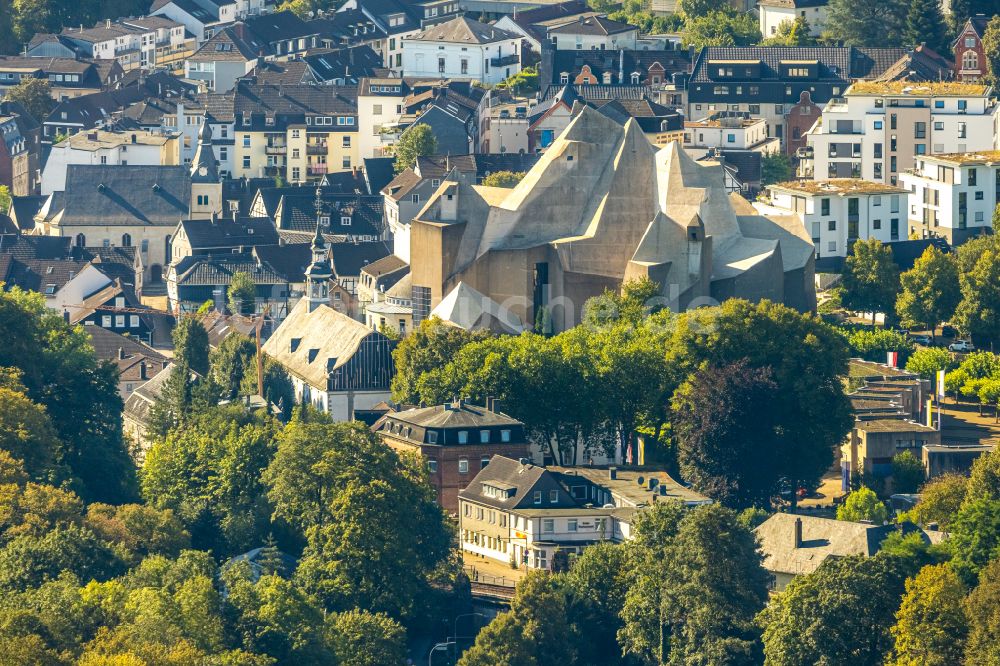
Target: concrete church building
603,206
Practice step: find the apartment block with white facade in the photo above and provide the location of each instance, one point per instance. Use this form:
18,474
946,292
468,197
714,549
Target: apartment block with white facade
879,129
462,49
953,196
729,129
136,147
775,12
838,212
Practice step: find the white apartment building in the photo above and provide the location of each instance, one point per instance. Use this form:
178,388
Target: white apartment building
879,129
775,12
953,196
100,147
837,212
462,49
597,33
380,105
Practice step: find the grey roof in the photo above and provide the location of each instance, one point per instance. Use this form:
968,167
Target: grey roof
225,233
836,63
593,25
278,26
463,30
289,72
190,7
379,171
297,212
511,475
453,415
111,195
623,62
821,538
140,403
204,166
106,348
349,63
231,44
350,258
301,99
214,270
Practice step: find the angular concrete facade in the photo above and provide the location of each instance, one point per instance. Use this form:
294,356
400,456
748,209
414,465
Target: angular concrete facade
601,207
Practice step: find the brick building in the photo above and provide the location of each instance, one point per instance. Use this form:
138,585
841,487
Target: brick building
798,120
456,439
970,56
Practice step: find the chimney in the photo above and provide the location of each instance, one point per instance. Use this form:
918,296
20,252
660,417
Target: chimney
142,370
797,533
613,473
121,353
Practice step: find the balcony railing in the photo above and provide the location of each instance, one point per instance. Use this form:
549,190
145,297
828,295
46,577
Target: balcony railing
504,61
275,149
317,169
316,148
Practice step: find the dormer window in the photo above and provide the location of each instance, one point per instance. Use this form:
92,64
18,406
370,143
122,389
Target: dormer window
635,79
345,220
463,436
432,437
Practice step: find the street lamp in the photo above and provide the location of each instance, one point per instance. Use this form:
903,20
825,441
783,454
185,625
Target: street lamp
459,617
439,646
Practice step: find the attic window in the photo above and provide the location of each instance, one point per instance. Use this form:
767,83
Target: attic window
50,289
312,355
345,220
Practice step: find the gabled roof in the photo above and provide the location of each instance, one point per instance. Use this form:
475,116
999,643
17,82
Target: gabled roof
378,172
462,30
920,64
111,195
231,44
350,63
593,25
189,7
350,258
225,233
278,26
215,270
836,63
323,340
288,72
305,99
519,480
297,212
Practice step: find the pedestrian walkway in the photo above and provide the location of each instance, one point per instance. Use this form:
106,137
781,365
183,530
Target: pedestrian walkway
491,572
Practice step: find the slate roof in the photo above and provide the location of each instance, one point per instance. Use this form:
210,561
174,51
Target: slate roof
213,270
100,299
289,72
379,172
594,93
118,263
278,26
592,25
227,233
521,479
90,110
107,343
920,64
232,45
623,62
190,7
290,260
296,212
836,63
302,99
42,67
462,30
111,195
349,63
46,276
346,182
350,258
37,247
349,26
140,403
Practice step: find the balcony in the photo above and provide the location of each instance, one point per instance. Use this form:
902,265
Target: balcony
272,171
504,61
316,148
275,149
317,170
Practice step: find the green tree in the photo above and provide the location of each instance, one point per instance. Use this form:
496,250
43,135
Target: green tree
978,314
982,608
984,478
360,638
728,433
416,141
841,613
930,290
191,345
907,473
696,8
209,473
242,294
524,82
278,389
807,358
792,33
941,499
597,584
991,46
863,504
867,24
507,179
775,168
26,432
30,560
872,344
232,361
871,278
538,615
925,24
927,361
975,537
139,530
931,626
34,95
721,28
5,199
431,345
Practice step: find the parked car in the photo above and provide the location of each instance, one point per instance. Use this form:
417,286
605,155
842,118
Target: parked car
924,340
961,346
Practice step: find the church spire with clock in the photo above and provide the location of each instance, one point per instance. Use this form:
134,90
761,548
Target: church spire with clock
206,186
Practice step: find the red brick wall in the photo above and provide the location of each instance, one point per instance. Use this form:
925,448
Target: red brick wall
800,118
960,51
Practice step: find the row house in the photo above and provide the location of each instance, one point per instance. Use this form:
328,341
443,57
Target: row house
767,81
203,18
593,33
840,211
67,77
20,149
298,133
654,69
877,130
953,196
147,42
534,24
396,21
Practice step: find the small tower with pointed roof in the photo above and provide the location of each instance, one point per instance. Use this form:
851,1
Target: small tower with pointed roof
206,185
319,272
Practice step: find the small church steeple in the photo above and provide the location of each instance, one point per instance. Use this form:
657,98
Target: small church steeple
206,185
319,272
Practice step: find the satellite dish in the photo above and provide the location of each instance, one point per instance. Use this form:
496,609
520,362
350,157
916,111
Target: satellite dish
312,14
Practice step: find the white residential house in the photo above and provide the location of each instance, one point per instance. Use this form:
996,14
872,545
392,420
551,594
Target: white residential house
837,212
593,33
953,196
187,120
775,12
462,49
138,147
729,130
880,129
